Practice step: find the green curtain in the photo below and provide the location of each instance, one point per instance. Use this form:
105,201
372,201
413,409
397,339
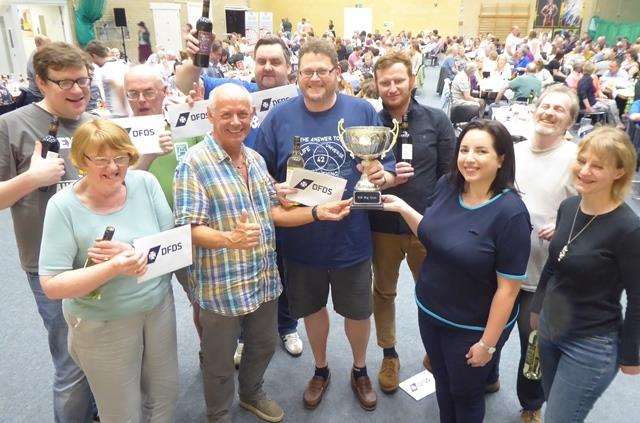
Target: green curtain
87,13
612,30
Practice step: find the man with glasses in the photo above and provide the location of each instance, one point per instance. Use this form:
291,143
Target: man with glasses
27,183
272,68
326,255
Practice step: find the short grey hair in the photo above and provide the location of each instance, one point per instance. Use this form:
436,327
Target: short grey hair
145,71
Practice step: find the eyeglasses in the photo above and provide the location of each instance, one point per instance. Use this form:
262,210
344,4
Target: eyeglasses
106,161
66,84
321,72
148,94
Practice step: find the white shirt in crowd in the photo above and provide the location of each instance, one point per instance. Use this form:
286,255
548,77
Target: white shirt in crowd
544,181
113,82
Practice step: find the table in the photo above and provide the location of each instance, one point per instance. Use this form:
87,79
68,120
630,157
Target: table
517,118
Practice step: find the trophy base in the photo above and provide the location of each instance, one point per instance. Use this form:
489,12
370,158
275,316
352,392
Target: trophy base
371,200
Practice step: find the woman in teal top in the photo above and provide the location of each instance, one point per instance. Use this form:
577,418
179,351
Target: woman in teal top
121,333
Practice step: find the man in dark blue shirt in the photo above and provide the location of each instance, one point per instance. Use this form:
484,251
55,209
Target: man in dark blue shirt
418,168
321,256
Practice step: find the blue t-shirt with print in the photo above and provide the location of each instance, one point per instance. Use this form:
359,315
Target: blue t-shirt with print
468,247
322,244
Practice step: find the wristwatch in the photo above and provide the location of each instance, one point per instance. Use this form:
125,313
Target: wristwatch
314,213
489,349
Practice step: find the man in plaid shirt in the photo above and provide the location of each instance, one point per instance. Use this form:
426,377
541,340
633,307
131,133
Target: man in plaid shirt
224,191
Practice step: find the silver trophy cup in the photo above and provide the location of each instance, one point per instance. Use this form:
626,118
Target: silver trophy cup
368,143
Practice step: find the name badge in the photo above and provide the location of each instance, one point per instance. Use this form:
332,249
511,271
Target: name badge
144,132
265,100
315,188
166,251
188,121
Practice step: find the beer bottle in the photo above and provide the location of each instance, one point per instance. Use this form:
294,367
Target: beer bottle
531,368
295,161
50,144
204,28
107,236
406,142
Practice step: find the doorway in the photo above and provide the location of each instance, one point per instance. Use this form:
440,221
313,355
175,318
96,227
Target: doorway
166,22
235,21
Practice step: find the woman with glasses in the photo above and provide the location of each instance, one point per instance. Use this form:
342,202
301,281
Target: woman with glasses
477,234
121,333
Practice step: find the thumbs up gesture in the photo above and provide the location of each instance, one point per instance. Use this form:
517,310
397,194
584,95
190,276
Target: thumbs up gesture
45,172
245,236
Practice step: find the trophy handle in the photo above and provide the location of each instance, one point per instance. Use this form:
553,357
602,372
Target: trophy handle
341,136
394,131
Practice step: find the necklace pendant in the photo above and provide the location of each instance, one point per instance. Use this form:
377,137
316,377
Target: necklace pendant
563,252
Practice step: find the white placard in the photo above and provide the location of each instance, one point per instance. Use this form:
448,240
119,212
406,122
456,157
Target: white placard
188,121
315,188
265,100
144,132
166,251
420,385
266,23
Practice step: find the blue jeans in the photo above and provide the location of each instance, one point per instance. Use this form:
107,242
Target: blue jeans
72,399
459,387
575,372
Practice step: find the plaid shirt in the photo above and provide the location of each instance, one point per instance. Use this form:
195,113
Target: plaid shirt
210,191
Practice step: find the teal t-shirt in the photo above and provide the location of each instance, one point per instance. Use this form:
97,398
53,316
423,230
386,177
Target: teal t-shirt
70,228
523,85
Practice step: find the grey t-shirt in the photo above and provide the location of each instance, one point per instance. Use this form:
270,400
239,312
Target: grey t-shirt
18,131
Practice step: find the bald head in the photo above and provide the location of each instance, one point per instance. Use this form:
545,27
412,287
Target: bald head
229,91
230,112
145,90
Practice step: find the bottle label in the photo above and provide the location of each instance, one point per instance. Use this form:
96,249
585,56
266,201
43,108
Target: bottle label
52,155
407,152
205,39
289,176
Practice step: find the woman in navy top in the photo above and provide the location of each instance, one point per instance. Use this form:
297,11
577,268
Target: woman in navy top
477,236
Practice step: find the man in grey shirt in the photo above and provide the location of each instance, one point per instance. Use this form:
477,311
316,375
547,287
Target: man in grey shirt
62,75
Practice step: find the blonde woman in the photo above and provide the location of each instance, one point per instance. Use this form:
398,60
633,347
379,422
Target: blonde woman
123,338
593,256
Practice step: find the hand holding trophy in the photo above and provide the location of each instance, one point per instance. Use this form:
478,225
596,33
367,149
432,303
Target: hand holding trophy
368,143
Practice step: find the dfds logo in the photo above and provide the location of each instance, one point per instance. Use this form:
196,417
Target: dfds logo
159,251
266,103
182,119
305,183
143,132
185,117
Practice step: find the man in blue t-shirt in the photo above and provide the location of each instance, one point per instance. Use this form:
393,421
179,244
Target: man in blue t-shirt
273,66
324,255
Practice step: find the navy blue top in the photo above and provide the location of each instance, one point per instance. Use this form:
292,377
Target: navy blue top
468,247
321,244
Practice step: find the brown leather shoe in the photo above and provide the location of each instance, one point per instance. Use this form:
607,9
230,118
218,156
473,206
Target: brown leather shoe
426,362
388,377
364,392
314,391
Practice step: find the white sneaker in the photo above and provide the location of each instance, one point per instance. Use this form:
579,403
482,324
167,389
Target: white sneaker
292,344
237,356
